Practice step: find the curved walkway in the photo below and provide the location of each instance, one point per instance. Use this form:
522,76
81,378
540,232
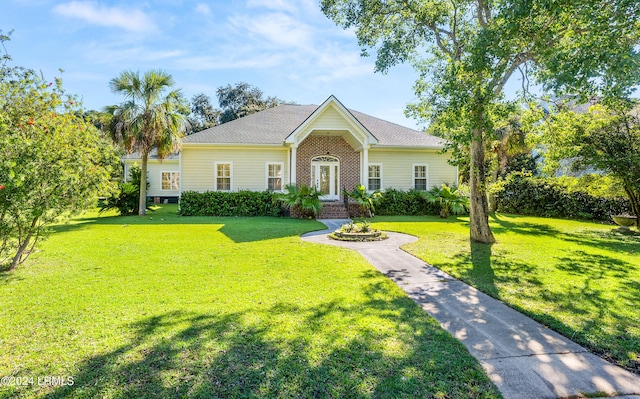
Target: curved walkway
522,357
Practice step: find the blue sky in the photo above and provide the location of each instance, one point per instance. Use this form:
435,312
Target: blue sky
287,48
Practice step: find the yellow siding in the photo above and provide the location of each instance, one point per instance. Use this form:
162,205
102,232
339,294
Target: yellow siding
249,167
154,176
397,167
329,119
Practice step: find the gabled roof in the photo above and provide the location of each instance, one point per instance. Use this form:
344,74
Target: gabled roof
273,125
359,132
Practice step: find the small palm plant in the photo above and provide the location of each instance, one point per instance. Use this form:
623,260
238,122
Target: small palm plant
450,201
305,198
365,199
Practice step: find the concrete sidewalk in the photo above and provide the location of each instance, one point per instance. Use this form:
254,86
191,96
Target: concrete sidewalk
522,357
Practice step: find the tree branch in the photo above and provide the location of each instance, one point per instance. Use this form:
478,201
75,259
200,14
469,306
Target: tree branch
497,83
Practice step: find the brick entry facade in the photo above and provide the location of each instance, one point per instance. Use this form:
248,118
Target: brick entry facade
336,146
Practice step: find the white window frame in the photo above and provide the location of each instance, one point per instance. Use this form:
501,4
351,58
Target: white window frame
281,164
414,177
379,165
171,173
215,175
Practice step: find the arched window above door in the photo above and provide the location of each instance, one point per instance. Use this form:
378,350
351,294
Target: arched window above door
325,158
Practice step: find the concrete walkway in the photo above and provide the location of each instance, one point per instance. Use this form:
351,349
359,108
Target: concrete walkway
522,357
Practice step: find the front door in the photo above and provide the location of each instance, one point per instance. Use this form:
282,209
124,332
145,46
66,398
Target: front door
325,176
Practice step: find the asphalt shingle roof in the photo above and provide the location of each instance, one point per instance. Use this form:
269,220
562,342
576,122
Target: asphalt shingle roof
273,125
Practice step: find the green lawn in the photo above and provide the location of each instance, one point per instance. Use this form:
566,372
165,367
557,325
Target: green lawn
168,306
581,279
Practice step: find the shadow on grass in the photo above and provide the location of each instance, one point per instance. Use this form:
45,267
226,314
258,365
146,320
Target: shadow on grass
611,240
608,328
248,355
594,266
238,229
484,270
519,227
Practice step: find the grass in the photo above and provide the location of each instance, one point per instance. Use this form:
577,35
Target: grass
168,306
581,279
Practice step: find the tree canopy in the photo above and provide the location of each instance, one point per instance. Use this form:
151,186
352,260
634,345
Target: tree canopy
242,100
149,120
203,114
465,51
52,161
602,138
236,101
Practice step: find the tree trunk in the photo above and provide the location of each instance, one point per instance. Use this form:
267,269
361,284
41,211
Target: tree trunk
635,204
142,203
17,259
479,209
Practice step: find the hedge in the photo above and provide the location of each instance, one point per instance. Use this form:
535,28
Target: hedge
236,203
399,203
537,196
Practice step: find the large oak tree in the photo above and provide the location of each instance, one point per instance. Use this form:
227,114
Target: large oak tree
466,50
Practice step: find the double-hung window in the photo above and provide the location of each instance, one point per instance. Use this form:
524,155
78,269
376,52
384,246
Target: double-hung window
375,178
274,176
171,181
223,176
420,180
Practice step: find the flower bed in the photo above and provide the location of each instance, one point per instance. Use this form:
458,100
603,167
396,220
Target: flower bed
357,232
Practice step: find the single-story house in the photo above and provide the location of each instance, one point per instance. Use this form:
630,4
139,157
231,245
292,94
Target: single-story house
327,146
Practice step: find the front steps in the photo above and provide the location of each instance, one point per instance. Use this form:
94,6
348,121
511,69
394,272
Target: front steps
333,210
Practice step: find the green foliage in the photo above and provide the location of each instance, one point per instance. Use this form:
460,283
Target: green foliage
203,115
547,197
126,199
52,161
449,200
466,51
596,185
242,100
398,202
364,198
304,200
604,138
149,119
237,203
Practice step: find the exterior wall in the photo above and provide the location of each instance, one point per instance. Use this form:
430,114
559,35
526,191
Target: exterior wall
397,167
329,119
336,146
248,170
154,175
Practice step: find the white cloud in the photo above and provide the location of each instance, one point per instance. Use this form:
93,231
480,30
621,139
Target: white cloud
203,9
94,13
205,63
127,54
276,28
280,5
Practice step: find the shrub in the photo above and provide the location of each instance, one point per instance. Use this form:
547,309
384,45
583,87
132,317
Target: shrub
547,197
366,200
449,200
303,200
396,202
237,203
127,198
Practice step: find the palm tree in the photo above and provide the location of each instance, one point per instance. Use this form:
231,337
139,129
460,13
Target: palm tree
148,119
